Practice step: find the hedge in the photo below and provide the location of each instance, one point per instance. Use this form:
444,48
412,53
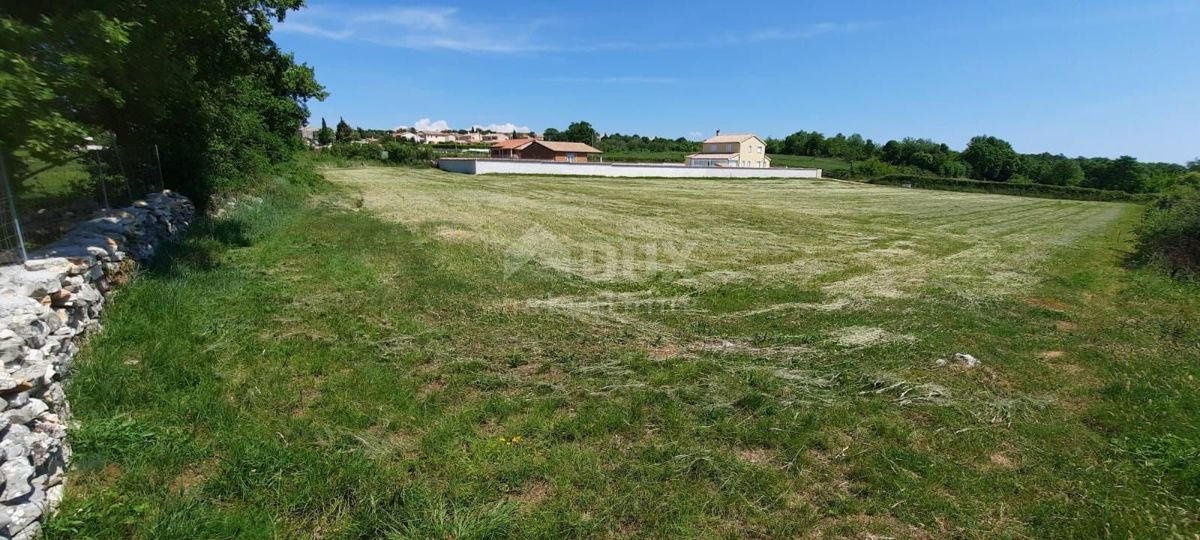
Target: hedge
1004,188
1169,233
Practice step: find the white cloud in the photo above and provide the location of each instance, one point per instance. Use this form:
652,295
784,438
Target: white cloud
448,28
507,127
421,28
613,80
427,125
803,32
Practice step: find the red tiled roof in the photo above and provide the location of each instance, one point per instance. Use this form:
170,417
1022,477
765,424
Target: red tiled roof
512,144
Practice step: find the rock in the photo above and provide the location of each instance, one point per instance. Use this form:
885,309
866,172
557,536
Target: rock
17,473
7,383
58,265
40,447
26,414
966,359
17,400
13,444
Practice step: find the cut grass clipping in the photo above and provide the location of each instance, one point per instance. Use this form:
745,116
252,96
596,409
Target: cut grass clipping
544,357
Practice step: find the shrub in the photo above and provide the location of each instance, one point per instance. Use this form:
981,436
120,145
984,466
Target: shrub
1007,188
1169,233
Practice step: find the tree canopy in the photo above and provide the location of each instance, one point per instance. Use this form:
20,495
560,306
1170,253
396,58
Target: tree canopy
991,158
202,79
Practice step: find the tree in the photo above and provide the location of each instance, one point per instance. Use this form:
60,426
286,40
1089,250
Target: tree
324,135
552,134
991,158
1194,165
1063,172
202,79
344,132
580,132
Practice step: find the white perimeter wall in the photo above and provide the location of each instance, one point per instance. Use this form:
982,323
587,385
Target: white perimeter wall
641,170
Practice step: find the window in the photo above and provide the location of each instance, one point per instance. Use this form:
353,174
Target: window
571,157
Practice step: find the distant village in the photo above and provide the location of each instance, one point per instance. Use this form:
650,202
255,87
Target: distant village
744,150
462,136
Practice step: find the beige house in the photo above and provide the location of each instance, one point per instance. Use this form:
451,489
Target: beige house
743,150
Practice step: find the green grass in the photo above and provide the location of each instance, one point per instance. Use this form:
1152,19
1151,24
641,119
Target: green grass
468,357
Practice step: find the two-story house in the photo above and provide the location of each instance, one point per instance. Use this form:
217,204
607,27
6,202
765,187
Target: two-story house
743,150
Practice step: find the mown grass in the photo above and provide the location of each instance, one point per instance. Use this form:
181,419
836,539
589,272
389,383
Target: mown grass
425,367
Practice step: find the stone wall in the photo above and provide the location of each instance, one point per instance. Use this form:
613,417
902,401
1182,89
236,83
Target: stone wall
46,305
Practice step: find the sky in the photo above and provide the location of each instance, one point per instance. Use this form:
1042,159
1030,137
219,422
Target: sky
1092,78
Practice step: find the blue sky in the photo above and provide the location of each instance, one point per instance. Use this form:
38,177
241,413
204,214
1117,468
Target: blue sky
1095,78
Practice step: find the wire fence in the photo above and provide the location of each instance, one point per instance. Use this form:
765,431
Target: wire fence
42,201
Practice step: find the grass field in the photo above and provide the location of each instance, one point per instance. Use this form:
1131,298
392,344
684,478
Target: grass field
416,354
777,160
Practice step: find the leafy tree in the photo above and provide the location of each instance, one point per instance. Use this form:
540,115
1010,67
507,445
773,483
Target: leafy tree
324,135
202,79
344,132
48,64
991,158
1064,172
1194,165
580,132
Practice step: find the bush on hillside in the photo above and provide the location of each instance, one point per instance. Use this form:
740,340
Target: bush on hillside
1169,233
1007,188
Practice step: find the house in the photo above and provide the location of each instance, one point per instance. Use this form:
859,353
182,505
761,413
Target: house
495,137
435,138
570,152
469,138
407,136
510,149
742,150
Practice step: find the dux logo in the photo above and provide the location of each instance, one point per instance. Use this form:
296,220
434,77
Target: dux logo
536,244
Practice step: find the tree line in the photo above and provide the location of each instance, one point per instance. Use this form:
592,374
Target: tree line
202,79
986,158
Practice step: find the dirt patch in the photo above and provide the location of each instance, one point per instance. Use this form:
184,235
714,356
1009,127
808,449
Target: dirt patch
531,494
430,388
194,476
665,351
756,456
1065,326
1000,460
1052,355
1045,303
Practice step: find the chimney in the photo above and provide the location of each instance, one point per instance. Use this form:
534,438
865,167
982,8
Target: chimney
718,132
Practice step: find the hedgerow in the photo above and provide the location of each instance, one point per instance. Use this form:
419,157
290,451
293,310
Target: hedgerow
1008,188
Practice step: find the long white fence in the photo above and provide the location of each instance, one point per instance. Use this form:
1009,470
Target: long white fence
639,170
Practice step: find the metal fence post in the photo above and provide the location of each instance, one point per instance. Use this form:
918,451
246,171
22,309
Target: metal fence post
161,184
100,172
12,209
128,181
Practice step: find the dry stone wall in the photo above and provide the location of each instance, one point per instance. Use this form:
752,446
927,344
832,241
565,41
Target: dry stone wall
46,305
